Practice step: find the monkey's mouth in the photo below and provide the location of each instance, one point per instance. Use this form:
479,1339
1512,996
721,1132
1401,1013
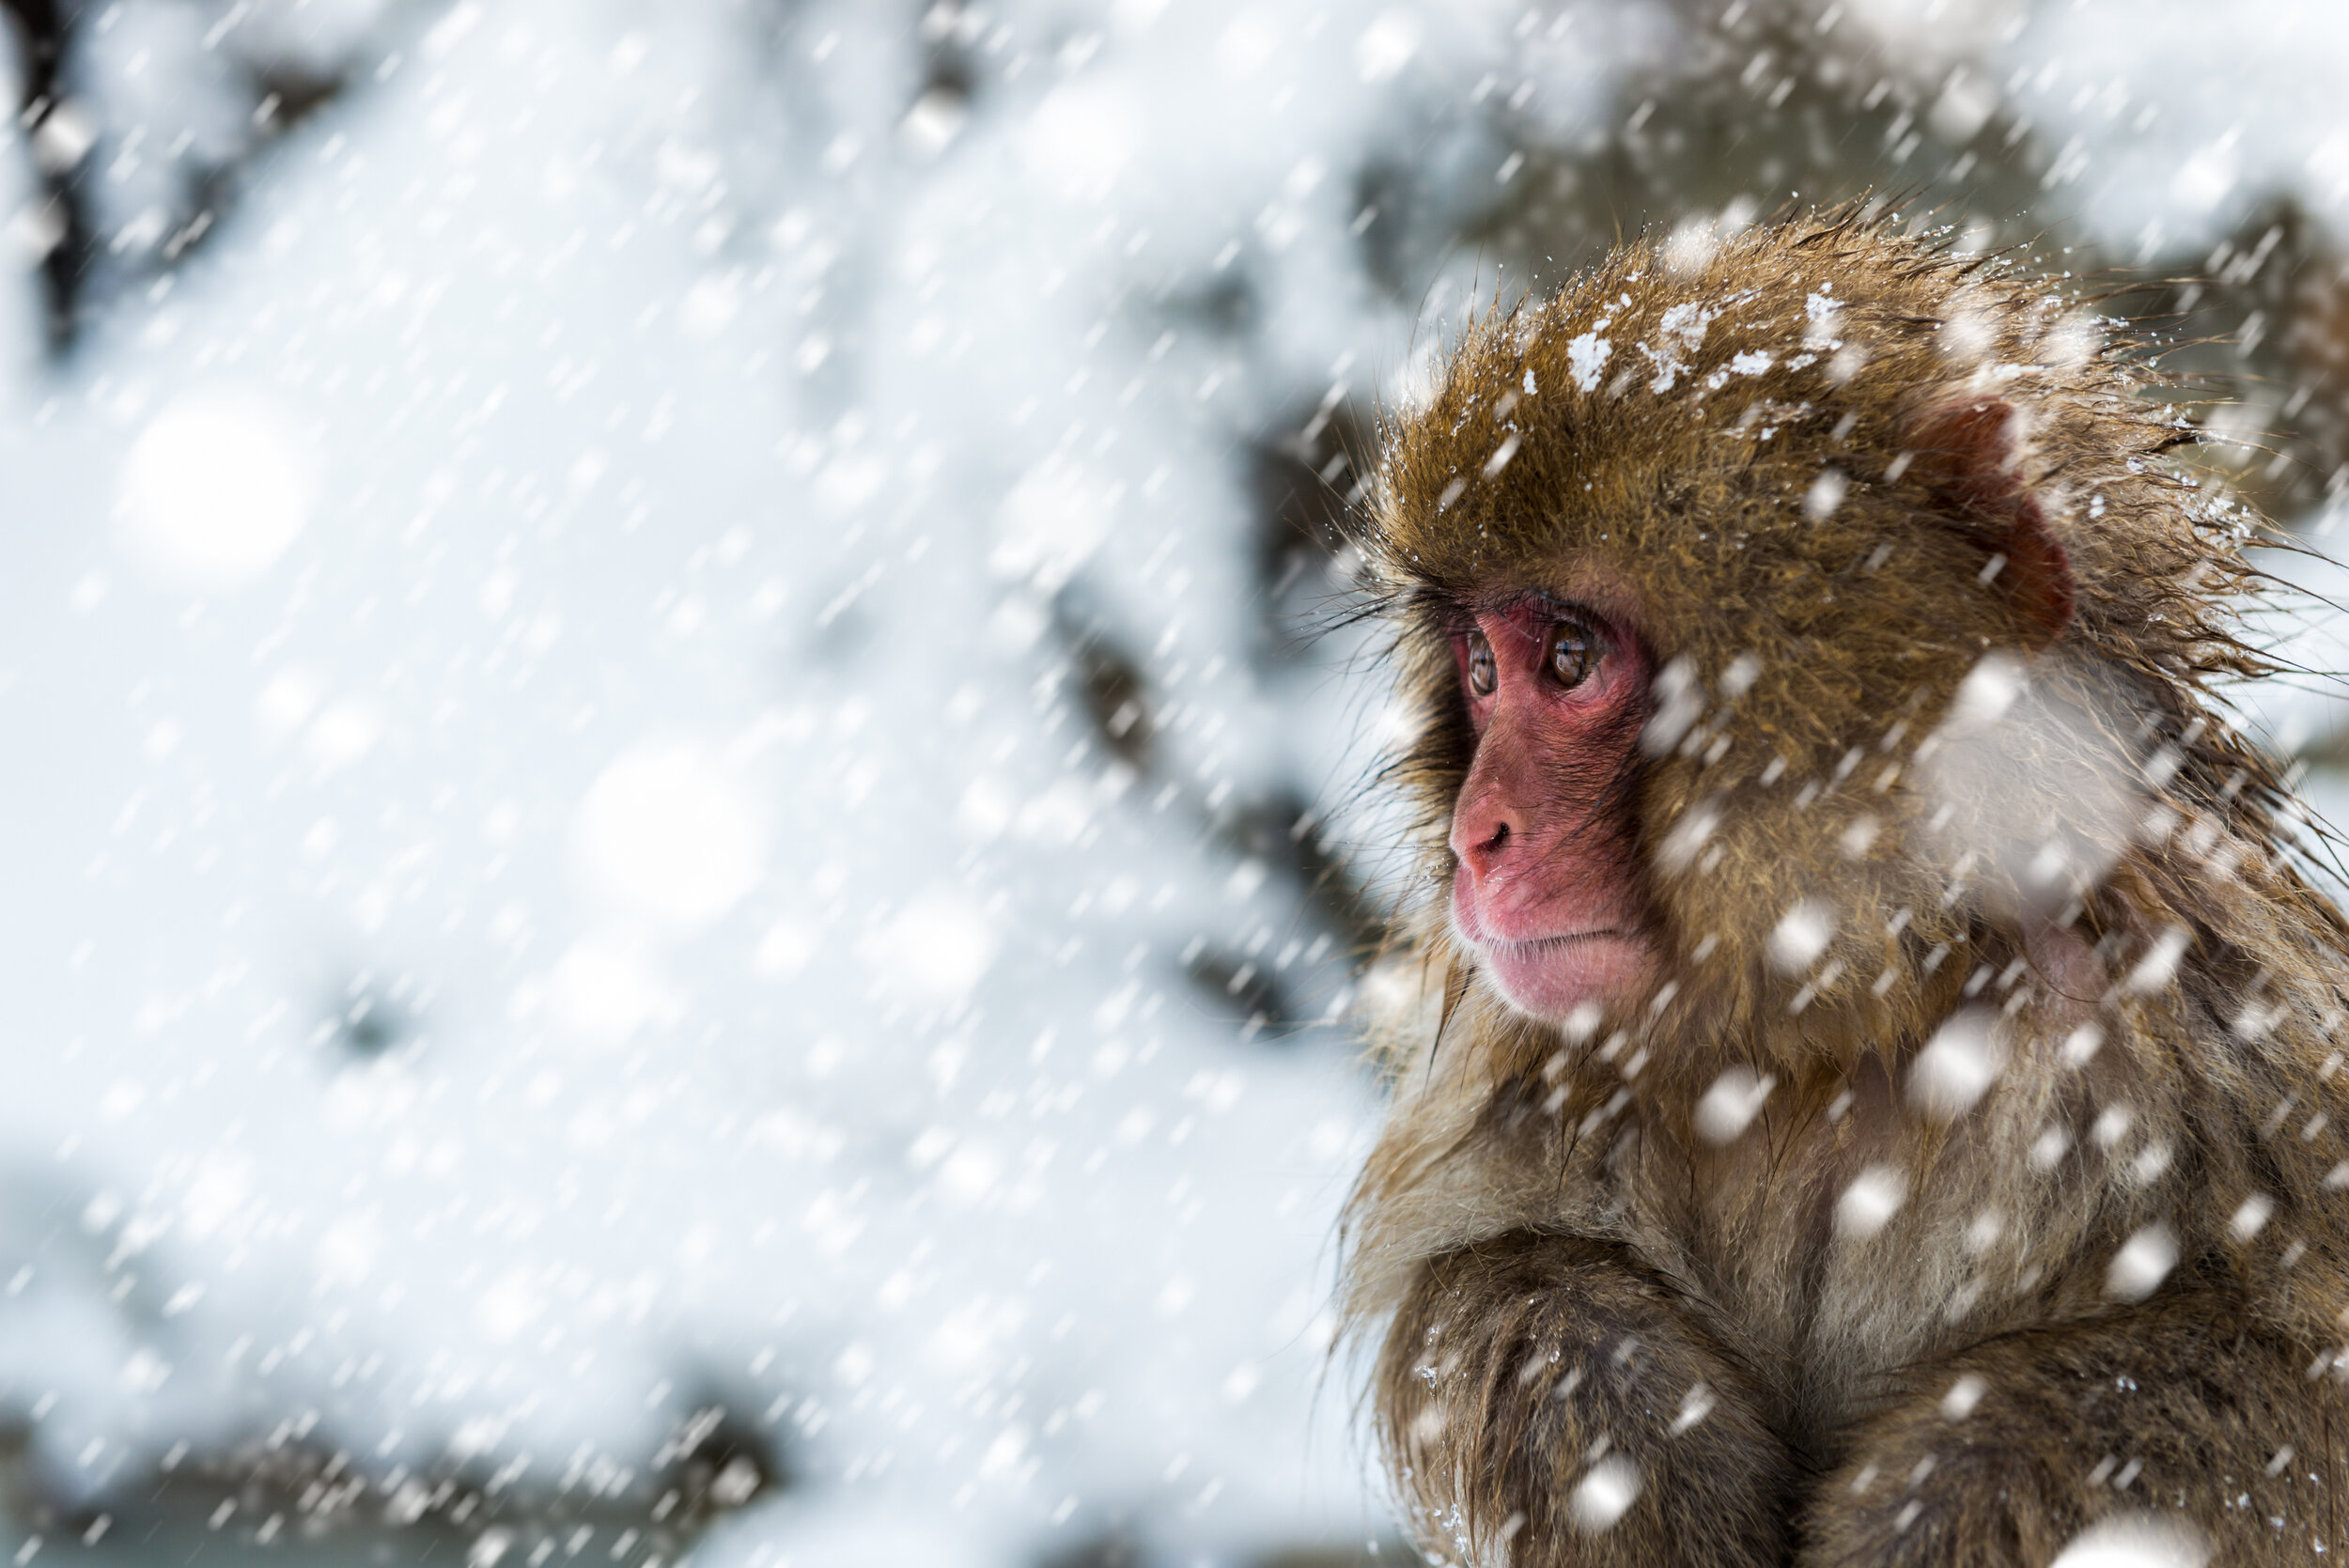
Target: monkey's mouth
1536,945
1549,977
1487,929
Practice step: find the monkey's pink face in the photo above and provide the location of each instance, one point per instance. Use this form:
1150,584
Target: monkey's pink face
1547,891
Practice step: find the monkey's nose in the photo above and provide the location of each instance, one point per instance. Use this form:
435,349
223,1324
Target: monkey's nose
1480,840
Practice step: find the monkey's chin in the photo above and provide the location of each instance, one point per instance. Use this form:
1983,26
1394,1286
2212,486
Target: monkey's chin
1549,978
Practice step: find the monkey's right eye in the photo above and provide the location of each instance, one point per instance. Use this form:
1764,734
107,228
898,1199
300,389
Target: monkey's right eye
1482,672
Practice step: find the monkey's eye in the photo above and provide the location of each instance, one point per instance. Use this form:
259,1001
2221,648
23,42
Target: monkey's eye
1571,652
1482,672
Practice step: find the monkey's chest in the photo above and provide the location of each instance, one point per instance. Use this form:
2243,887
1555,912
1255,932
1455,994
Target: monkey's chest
1832,1268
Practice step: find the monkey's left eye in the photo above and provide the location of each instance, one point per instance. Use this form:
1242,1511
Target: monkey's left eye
1571,653
1484,670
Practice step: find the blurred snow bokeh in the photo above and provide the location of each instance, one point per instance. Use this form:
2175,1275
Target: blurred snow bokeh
666,813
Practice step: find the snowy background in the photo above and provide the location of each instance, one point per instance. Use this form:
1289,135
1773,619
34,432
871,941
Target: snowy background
677,860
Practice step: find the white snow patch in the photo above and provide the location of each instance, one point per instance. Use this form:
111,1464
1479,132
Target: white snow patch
1801,934
1680,334
1870,1201
2159,965
1826,493
215,492
1604,1494
1586,360
2140,1540
1049,524
1386,45
1730,1104
2143,1262
941,943
1956,1066
668,832
1988,691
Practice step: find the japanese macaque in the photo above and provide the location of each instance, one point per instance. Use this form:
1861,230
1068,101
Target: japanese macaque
1864,1068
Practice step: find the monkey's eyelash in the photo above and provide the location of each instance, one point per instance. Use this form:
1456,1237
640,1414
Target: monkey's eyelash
1592,624
1567,610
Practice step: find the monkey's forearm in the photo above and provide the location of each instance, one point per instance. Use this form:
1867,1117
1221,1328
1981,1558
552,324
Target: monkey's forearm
1547,1392
2004,1454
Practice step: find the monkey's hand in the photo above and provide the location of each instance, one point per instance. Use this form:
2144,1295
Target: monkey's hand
1547,1392
2004,1454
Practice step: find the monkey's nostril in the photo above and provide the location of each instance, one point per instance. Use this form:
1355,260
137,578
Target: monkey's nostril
1488,848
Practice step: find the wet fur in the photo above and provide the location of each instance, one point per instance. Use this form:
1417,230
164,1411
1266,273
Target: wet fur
1543,1196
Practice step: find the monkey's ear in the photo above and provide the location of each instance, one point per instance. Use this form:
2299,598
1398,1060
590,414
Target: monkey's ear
1970,453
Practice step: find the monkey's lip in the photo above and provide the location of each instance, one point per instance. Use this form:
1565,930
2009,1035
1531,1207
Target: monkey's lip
1550,977
1476,923
1532,946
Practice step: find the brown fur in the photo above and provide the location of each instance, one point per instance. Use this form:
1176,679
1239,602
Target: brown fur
1546,1196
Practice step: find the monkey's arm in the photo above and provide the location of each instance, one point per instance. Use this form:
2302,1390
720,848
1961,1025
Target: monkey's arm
2005,1453
1547,1390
